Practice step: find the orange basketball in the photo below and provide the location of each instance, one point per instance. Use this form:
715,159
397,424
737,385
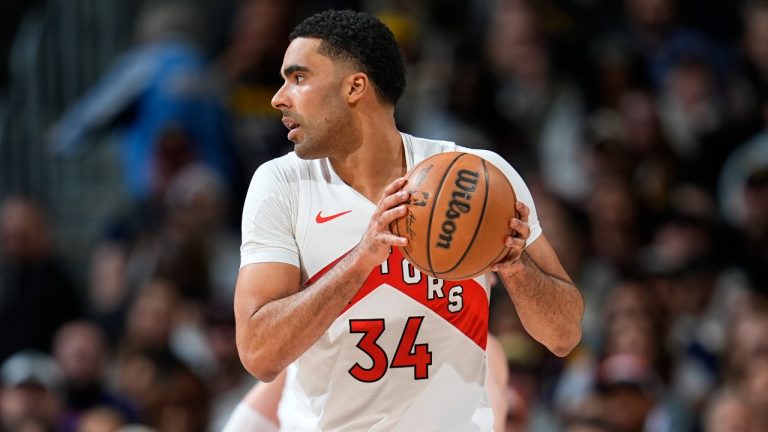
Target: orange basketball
458,216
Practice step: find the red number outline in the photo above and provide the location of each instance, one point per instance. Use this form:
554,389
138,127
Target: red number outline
411,354
407,354
371,330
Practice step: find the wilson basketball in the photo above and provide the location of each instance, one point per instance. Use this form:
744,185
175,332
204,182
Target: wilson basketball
458,216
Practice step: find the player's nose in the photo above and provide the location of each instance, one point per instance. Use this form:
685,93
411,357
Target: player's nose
280,100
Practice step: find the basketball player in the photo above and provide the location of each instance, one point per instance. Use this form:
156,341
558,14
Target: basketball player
367,341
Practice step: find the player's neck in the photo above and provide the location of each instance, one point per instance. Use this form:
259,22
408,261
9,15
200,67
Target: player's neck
376,162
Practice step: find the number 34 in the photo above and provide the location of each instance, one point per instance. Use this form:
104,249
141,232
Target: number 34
407,354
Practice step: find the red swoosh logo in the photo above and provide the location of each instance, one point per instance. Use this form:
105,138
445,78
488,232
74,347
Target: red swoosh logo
323,219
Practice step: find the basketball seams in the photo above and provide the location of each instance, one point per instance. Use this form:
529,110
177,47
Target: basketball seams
480,222
504,249
432,210
478,259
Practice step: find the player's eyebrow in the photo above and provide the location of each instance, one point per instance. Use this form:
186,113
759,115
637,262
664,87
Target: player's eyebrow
293,69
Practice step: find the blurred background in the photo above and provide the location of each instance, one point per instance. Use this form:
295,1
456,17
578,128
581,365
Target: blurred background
129,131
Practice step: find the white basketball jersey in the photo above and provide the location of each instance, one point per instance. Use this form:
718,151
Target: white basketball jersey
408,351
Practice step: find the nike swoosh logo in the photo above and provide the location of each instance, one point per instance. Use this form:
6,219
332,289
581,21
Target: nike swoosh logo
323,219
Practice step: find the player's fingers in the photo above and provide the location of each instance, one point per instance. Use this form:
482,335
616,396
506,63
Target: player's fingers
520,227
394,199
394,186
389,215
387,203
393,240
523,211
515,243
513,256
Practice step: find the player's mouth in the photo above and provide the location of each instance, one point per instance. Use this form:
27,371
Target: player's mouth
292,126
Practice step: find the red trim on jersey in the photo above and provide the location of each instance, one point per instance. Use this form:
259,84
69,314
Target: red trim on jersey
362,292
325,270
471,319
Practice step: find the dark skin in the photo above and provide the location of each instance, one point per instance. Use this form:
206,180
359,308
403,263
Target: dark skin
332,111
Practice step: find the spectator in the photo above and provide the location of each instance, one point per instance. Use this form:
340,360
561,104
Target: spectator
747,339
247,70
728,411
100,419
754,387
229,381
744,197
81,350
197,203
33,391
160,94
37,295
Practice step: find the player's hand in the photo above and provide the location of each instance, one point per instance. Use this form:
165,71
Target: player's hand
512,263
377,241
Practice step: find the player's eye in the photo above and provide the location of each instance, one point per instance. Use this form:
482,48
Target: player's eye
298,79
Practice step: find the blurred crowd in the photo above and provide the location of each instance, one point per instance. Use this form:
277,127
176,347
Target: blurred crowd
641,127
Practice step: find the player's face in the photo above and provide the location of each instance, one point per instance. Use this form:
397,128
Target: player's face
311,99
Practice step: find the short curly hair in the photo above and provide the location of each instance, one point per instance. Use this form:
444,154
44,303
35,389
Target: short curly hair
362,40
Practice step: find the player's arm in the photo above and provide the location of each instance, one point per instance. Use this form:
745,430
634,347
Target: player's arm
276,321
548,303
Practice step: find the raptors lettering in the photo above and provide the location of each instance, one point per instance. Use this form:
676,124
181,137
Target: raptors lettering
434,287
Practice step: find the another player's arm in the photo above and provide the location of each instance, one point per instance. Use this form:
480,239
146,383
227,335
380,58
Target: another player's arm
265,397
257,411
496,382
547,301
277,321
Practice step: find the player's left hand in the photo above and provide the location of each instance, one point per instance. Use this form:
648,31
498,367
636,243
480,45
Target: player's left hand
515,242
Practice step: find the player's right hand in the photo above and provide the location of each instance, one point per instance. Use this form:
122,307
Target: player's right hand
377,240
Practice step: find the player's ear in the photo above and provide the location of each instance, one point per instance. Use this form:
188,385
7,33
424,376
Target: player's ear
357,85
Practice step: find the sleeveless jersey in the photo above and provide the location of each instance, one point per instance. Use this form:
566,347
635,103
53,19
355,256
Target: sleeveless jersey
408,351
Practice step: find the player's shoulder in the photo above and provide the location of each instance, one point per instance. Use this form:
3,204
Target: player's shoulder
491,157
275,175
429,145
423,148
286,167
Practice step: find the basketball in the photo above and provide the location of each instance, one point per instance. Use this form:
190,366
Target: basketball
458,216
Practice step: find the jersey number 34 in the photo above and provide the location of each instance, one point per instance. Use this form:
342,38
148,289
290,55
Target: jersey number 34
407,354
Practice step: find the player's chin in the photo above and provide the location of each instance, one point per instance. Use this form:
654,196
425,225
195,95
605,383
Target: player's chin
305,151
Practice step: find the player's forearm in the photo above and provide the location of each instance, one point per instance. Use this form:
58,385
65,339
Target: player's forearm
550,308
280,331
